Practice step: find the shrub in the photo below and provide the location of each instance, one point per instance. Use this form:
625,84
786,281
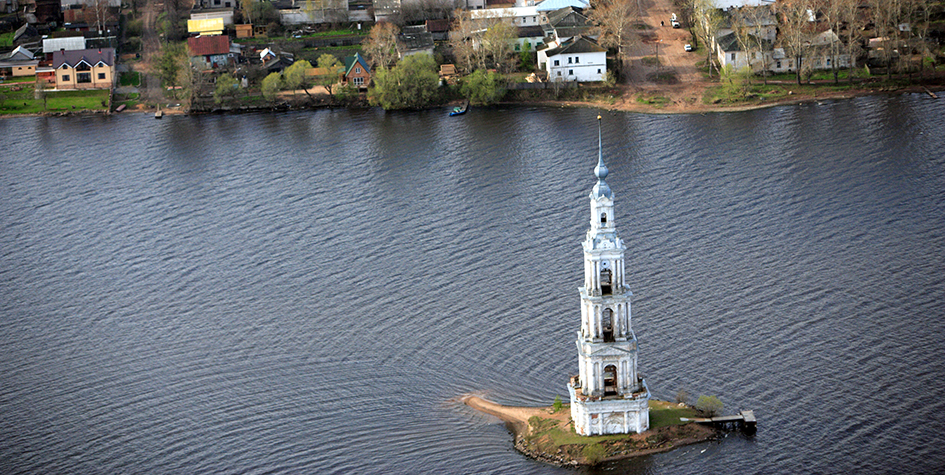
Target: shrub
682,396
594,453
709,405
557,404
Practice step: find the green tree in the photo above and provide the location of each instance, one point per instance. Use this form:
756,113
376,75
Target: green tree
412,84
226,88
329,63
296,77
271,86
709,405
170,63
483,87
557,405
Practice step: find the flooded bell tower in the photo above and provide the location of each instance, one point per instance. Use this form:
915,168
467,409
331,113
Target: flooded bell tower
608,396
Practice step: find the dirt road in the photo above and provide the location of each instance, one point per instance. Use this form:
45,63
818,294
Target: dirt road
676,76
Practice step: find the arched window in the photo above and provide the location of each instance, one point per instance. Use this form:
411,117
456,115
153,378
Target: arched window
610,380
603,218
606,282
607,325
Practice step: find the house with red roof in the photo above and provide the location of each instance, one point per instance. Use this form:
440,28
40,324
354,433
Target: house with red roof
209,52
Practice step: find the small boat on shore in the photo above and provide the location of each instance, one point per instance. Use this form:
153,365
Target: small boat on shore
460,110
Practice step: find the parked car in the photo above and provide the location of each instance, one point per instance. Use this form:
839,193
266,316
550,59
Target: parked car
674,22
688,47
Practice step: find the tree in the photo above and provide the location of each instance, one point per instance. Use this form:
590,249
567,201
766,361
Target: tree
849,14
170,63
497,44
382,44
795,33
614,19
749,24
96,12
736,83
39,93
885,17
296,77
463,40
705,22
412,84
226,88
483,87
271,86
709,405
328,62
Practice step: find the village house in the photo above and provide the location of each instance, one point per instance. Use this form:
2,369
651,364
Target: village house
85,69
209,52
579,59
17,63
357,72
566,23
823,53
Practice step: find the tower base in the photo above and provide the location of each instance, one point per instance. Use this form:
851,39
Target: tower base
611,414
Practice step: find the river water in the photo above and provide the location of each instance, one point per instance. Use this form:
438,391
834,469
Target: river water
311,292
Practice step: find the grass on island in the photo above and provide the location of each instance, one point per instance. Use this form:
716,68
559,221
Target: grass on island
550,436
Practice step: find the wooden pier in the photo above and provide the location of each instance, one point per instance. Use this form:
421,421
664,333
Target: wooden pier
744,420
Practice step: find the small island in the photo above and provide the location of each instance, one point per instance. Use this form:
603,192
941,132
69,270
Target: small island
547,433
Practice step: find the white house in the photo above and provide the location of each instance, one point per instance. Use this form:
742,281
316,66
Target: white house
518,16
819,55
579,59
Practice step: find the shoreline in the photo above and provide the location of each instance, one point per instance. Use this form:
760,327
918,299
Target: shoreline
530,441
625,104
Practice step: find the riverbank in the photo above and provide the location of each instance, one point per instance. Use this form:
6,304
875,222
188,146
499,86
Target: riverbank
672,99
548,435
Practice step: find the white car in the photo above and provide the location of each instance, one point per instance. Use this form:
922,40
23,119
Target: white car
688,47
674,22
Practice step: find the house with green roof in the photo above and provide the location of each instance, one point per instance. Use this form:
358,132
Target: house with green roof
357,71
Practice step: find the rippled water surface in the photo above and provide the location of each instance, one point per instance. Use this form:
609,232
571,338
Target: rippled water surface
311,291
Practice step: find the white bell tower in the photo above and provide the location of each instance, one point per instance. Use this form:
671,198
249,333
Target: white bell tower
608,396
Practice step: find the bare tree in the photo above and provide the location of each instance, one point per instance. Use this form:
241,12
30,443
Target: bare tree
885,17
497,44
795,31
464,38
383,45
614,20
853,22
96,12
749,24
705,22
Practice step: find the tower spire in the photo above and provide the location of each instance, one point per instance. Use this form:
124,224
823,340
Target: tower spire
601,188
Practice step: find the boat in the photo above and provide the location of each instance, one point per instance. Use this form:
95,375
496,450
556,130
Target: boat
460,110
